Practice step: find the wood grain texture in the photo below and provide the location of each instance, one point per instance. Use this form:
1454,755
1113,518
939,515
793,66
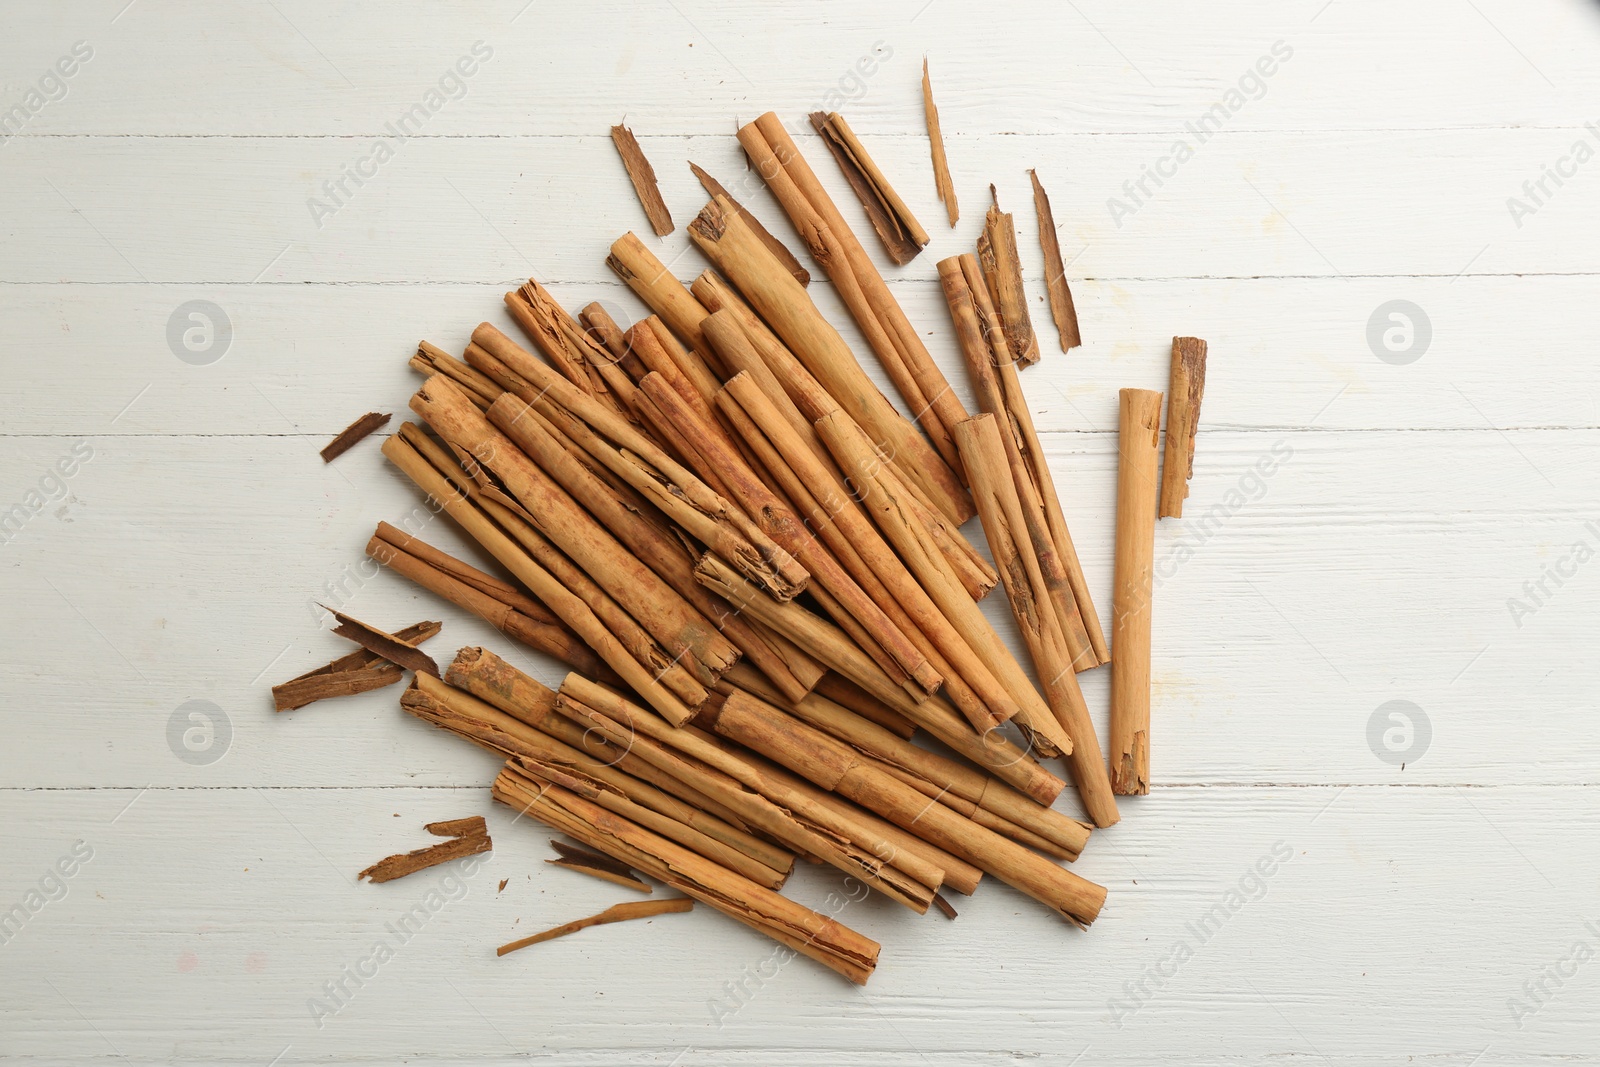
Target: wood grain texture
1362,529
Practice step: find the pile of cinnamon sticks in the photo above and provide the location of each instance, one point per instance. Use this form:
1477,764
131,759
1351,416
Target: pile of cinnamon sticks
754,566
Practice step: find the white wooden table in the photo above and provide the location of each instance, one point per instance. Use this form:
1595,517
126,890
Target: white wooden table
1439,912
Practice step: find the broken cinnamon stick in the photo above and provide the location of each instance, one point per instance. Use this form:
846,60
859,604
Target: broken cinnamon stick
387,645
941,165
1186,386
1002,270
350,435
1055,273
777,247
468,837
639,909
902,235
643,177
359,672
1138,445
597,865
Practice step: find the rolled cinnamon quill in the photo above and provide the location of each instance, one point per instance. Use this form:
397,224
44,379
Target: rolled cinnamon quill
1138,442
793,925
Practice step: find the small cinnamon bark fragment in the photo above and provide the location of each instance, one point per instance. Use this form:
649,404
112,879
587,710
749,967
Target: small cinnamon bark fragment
387,645
1055,274
1138,442
359,672
597,865
941,165
639,909
944,906
1186,385
1002,270
902,235
468,837
643,177
777,247
350,435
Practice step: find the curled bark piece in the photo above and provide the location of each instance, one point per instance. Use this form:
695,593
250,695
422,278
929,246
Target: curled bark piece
1055,273
468,837
597,865
352,434
639,909
1187,385
941,165
902,235
643,177
1002,270
359,672
383,644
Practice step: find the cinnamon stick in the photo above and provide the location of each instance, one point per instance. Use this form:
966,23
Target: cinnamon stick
775,246
359,672
643,177
1000,508
1055,273
640,909
352,434
387,645
431,359
468,838
837,768
787,308
870,302
1138,448
793,925
941,166
518,702
597,865
644,675
1187,385
902,235
1001,394
1002,270
650,280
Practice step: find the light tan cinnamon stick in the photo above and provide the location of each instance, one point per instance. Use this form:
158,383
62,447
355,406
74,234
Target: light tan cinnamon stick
985,354
649,278
687,635
498,603
941,165
871,304
431,359
638,909
468,837
795,926
1002,270
830,645
644,676
902,235
1187,385
1022,442
1138,443
643,177
775,246
459,712
1055,273
836,767
1000,508
520,702
786,307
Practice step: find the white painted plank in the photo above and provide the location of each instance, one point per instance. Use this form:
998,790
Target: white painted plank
207,919
1365,567
1285,352
1342,204
297,67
